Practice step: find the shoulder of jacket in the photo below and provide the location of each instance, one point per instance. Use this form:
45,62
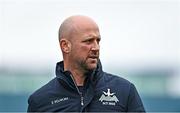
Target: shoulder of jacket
43,91
116,79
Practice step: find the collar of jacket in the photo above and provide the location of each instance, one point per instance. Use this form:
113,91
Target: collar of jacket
65,76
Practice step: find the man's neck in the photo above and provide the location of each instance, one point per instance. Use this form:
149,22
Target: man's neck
77,74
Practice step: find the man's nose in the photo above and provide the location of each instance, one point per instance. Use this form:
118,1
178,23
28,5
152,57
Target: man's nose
95,46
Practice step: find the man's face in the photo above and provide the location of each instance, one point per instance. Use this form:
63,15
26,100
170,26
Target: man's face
85,49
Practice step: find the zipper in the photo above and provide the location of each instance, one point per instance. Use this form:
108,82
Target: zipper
80,93
82,99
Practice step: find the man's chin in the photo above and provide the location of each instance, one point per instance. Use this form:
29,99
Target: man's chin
91,66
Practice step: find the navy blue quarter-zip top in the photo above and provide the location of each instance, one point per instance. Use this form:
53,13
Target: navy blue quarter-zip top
102,92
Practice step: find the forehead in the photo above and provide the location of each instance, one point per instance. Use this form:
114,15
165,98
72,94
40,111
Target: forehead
86,34
87,29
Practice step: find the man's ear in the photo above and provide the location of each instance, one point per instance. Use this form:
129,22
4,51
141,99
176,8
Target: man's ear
65,45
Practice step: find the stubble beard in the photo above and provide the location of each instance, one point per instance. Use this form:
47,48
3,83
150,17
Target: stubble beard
88,65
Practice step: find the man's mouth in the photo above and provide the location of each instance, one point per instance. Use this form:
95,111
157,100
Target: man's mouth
94,57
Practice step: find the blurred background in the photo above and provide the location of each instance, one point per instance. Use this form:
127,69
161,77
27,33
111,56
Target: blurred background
140,42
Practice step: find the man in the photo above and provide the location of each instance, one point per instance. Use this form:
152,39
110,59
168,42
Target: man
80,84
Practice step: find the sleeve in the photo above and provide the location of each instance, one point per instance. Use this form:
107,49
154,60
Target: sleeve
134,101
31,105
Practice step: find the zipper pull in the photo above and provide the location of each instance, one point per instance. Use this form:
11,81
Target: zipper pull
82,100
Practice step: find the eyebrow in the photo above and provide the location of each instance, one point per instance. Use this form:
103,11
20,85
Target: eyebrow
91,37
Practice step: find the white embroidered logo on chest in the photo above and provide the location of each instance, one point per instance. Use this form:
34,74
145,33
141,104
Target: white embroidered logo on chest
59,100
108,98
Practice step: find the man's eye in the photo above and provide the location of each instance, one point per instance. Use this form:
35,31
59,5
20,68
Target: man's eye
88,41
